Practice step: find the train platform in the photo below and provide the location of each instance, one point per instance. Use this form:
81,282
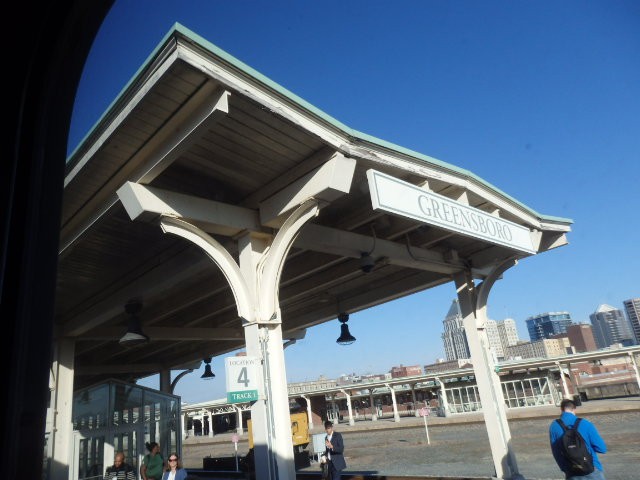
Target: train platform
591,407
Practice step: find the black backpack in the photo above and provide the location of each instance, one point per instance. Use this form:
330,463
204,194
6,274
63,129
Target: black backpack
574,450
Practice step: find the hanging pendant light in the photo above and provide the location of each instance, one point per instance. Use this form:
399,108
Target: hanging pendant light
134,335
345,337
208,373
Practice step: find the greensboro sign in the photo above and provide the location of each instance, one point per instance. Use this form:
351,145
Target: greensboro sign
407,200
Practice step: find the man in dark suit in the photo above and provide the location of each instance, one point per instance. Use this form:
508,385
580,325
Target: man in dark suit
334,448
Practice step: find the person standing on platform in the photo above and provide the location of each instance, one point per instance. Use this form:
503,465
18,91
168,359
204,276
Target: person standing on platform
592,440
120,470
152,463
174,469
334,448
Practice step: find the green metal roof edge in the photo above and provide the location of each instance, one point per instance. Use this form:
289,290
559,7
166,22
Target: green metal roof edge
406,151
142,67
243,67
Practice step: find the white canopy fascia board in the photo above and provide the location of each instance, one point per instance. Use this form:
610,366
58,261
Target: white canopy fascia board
325,184
119,118
237,80
183,129
147,203
386,159
168,333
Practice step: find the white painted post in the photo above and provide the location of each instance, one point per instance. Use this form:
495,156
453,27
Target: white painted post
374,417
108,454
210,423
472,307
184,419
270,418
349,409
565,390
62,405
425,414
239,426
444,403
396,416
309,411
634,365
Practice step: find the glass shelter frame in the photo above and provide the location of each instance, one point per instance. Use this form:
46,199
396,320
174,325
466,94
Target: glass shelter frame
118,416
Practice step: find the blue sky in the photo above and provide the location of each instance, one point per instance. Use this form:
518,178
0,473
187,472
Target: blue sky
541,99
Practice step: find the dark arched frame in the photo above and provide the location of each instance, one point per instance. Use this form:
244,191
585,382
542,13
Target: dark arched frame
47,44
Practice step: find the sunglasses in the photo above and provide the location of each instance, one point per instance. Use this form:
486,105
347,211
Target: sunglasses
173,459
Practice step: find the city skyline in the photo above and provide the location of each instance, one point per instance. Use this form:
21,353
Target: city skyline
539,100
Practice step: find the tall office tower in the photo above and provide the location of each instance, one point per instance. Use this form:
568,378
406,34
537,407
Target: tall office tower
581,337
610,327
454,338
508,333
546,325
493,337
632,307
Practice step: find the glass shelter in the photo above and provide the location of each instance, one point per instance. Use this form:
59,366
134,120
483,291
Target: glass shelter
114,416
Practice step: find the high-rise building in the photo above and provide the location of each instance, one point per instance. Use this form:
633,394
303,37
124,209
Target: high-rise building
493,337
545,348
508,332
581,337
547,325
632,308
454,337
500,334
611,327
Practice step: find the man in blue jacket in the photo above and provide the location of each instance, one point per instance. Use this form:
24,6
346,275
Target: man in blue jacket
592,438
334,448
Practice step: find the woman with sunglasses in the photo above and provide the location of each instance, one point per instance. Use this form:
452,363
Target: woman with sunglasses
174,469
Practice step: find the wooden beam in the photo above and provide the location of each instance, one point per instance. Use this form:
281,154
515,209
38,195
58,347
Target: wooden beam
326,183
167,333
146,203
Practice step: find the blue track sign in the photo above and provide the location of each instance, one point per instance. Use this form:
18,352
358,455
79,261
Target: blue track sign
243,379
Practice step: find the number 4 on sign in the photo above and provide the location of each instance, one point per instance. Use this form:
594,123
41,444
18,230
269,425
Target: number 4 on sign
243,377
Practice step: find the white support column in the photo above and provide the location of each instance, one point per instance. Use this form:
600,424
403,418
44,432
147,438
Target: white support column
266,417
374,416
309,411
239,426
349,409
414,400
473,303
62,405
255,286
444,403
565,389
108,454
210,424
396,416
634,365
261,265
184,419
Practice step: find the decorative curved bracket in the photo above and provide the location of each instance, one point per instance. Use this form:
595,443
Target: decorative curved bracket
482,291
270,269
220,256
177,379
